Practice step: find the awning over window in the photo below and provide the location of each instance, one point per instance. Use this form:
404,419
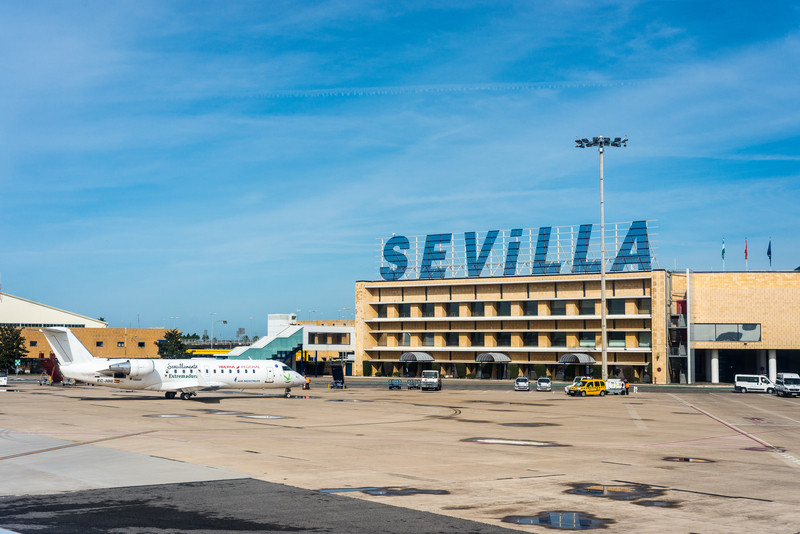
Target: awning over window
492,357
416,357
576,357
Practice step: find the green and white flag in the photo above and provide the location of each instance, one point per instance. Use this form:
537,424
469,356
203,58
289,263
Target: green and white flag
723,250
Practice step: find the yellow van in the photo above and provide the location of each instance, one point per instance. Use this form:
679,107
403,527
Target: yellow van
588,386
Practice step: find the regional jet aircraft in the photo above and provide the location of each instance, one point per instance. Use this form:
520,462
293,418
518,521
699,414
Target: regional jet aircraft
171,376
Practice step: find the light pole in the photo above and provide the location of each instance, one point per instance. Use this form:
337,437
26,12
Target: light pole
212,314
602,142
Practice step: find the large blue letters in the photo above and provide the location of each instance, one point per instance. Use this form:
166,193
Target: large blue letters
476,263
467,259
432,254
637,235
398,259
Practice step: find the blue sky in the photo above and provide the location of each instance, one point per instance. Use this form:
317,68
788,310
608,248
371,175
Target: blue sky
160,161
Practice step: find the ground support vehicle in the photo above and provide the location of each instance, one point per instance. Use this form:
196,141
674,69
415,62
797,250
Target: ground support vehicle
787,385
745,383
394,383
413,383
338,378
575,382
592,386
431,380
615,386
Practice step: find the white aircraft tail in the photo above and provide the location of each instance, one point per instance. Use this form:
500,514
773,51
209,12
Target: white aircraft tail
67,347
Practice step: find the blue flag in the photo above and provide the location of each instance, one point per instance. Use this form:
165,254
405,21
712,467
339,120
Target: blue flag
769,252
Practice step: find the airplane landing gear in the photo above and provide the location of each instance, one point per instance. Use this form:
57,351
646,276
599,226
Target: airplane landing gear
288,393
169,394
186,396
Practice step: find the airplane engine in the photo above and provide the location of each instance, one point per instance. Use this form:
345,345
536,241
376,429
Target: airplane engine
133,367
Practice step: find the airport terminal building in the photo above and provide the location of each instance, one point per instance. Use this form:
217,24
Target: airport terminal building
497,304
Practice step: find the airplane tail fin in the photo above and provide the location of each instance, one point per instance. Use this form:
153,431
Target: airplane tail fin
67,347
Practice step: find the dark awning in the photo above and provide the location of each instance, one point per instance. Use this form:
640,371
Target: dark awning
416,357
492,357
576,357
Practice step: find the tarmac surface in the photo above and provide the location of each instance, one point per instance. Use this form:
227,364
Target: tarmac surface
367,459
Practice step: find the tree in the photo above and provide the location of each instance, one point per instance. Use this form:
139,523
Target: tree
12,346
171,347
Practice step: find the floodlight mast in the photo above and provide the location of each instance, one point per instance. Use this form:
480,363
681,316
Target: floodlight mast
602,142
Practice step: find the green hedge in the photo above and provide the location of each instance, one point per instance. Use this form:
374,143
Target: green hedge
461,370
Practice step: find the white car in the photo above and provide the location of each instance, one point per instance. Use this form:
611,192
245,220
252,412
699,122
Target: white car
522,384
544,384
3,378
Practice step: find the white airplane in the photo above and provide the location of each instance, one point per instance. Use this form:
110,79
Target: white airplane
171,376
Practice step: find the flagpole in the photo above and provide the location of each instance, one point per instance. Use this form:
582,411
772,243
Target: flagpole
769,253
746,263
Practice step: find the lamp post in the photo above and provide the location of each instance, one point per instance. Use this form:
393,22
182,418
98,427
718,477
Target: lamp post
213,322
602,142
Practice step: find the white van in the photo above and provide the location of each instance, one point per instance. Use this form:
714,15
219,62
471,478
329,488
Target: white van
745,383
787,385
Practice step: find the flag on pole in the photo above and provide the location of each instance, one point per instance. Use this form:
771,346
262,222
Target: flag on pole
745,248
723,249
769,253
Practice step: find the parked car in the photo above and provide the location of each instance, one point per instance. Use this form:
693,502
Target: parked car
745,383
592,386
3,378
575,382
544,384
787,385
522,384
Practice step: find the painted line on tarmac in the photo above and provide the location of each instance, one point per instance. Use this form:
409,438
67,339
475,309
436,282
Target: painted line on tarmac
757,408
76,444
637,419
724,423
783,454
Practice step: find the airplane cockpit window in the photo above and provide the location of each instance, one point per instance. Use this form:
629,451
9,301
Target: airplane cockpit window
286,367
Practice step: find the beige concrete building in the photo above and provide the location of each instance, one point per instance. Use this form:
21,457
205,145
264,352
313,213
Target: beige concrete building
101,342
668,327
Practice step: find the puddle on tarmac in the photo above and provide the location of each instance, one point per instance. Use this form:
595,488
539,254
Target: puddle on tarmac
764,449
516,442
347,400
390,491
560,520
529,425
479,421
685,459
254,416
658,504
618,492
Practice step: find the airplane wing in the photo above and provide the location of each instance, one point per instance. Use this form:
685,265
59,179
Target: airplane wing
186,386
